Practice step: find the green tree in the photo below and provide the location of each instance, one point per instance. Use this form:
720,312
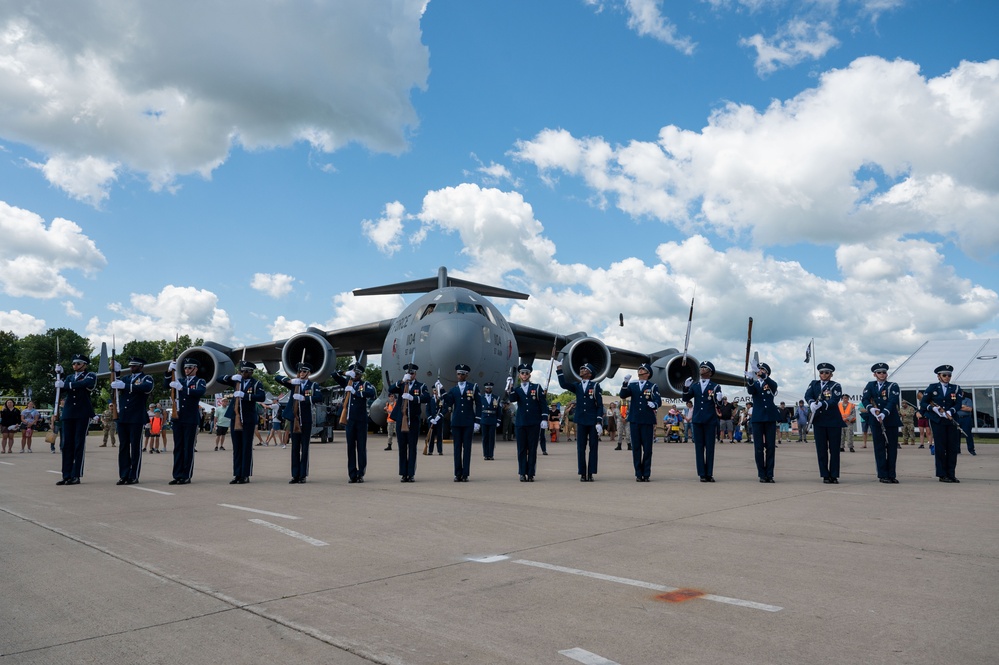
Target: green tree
11,382
36,359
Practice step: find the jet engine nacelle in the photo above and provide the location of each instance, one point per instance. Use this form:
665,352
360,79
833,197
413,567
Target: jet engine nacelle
317,352
586,350
669,373
213,364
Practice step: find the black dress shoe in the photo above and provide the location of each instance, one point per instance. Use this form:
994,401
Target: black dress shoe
457,479
952,479
121,481
360,480
294,481
827,481
389,448
464,479
234,481
894,481
618,448
242,481
402,479
174,482
301,481
186,481
66,480
132,481
639,479
76,481
582,478
711,479
704,479
834,481
523,478
763,480
943,479
770,480
589,478
410,479
646,479
884,480
530,479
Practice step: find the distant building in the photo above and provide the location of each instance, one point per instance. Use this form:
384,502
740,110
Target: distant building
976,370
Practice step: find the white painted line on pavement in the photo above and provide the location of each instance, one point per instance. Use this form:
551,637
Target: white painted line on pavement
289,532
853,493
7,463
647,585
586,657
259,512
146,489
488,559
58,473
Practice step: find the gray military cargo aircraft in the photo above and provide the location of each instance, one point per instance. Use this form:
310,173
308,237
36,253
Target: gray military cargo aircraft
453,322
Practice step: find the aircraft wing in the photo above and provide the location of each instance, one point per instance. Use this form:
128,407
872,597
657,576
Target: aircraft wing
532,341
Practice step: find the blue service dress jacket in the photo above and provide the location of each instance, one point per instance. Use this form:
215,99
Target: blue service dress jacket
885,396
763,392
589,400
639,411
465,405
490,405
312,393
357,410
935,395
532,404
828,397
77,393
420,396
188,398
253,391
705,399
133,399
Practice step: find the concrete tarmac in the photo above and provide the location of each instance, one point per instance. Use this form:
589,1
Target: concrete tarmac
499,571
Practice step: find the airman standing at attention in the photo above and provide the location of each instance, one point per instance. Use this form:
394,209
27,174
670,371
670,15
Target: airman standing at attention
531,411
490,419
645,402
76,414
941,402
359,391
406,414
133,416
464,402
706,395
882,399
762,388
298,412
243,413
823,396
588,416
190,388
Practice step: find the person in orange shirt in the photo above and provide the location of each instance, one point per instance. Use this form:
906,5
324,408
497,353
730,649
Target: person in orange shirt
623,433
849,414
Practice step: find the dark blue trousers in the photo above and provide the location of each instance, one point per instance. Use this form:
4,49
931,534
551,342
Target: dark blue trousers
704,447
827,441
129,450
586,435
407,449
885,454
185,435
765,447
488,440
462,437
357,448
242,451
947,443
527,449
641,448
300,452
74,444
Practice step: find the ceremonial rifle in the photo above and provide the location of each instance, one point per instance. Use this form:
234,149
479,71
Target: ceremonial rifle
237,408
749,343
51,436
404,426
297,427
346,400
173,391
114,377
690,319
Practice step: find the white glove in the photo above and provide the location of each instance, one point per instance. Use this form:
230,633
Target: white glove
937,410
117,384
173,366
407,397
750,374
652,405
509,383
349,389
58,369
176,385
476,428
718,396
117,366
881,417
600,429
627,378
59,383
238,394
813,407
296,381
435,420
407,377
350,374
688,382
440,387
544,424
298,397
875,411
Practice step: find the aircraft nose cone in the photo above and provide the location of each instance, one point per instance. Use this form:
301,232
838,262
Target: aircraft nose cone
453,340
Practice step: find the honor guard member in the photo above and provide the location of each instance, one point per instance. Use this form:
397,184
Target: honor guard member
464,403
242,411
762,388
358,393
531,412
645,402
298,411
588,416
435,428
882,399
190,389
75,415
705,395
406,414
490,419
823,396
133,415
942,402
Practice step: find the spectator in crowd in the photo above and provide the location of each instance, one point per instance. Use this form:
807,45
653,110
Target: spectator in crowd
783,423
221,425
29,421
109,427
848,412
10,421
801,417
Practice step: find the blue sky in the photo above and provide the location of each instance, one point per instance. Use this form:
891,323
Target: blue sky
826,167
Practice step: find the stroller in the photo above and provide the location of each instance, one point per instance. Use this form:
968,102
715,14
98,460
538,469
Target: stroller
671,425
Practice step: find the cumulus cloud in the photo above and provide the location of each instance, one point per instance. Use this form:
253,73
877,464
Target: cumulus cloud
168,89
33,256
184,310
386,231
796,41
875,150
20,323
645,17
70,308
275,285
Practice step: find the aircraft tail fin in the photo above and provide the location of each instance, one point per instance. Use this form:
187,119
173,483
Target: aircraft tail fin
441,281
